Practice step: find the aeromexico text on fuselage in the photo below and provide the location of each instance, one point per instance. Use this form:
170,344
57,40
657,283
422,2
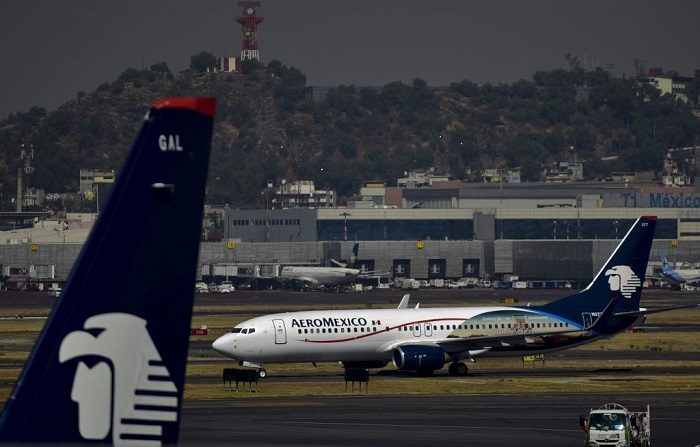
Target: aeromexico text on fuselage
329,322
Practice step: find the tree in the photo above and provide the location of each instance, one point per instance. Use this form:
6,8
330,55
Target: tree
530,170
199,63
161,69
465,88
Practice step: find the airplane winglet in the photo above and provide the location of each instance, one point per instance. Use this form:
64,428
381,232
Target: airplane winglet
404,301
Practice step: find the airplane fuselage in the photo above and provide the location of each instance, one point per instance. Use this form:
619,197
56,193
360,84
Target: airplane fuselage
371,335
327,276
678,277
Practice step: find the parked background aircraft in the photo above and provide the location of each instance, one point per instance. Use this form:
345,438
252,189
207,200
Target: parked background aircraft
675,276
424,340
344,274
109,365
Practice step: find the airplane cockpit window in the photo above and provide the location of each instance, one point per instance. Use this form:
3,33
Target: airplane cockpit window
236,330
251,330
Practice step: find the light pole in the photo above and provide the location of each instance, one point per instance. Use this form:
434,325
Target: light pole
345,215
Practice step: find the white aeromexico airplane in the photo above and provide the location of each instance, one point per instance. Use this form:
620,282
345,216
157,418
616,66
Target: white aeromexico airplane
424,340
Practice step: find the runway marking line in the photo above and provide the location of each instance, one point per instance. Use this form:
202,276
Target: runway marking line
469,427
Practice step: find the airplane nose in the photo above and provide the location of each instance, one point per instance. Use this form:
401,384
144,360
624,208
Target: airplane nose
224,345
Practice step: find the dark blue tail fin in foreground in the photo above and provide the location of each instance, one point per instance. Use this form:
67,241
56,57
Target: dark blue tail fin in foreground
109,366
622,276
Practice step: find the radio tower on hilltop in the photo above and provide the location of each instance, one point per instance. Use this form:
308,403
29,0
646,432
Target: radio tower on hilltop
249,21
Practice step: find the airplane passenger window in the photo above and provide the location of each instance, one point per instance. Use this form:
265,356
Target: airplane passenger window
300,331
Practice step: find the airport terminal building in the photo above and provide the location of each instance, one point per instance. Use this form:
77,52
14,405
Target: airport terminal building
534,231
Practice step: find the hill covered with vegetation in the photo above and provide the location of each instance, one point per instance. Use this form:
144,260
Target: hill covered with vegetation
268,128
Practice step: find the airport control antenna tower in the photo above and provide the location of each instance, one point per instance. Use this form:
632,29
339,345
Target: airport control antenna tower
249,21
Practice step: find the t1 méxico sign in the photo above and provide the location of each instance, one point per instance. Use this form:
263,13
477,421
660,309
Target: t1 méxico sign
654,200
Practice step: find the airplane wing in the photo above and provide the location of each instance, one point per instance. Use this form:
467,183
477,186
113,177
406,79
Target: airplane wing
373,273
307,279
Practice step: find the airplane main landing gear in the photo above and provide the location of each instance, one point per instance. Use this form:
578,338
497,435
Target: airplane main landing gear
457,369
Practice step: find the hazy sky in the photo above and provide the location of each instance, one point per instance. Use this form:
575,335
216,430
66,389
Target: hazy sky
52,49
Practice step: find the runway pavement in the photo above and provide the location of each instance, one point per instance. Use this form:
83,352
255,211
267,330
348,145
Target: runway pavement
478,420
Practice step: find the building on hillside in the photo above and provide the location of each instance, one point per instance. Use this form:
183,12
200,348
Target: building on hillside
90,177
501,175
95,186
229,65
667,83
673,176
300,194
564,171
421,178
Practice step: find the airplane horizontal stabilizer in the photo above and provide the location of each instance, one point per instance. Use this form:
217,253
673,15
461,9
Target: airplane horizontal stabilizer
641,312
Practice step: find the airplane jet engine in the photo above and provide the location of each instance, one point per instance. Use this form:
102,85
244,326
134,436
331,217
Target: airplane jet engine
420,358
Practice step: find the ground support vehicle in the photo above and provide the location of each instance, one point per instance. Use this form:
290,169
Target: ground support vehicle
615,426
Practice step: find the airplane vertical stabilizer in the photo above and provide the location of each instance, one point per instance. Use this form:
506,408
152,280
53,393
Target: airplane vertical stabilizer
622,276
109,366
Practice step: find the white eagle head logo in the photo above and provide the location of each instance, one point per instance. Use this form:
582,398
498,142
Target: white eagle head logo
622,278
129,390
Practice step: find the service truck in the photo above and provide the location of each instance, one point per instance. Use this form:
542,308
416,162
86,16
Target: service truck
612,425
